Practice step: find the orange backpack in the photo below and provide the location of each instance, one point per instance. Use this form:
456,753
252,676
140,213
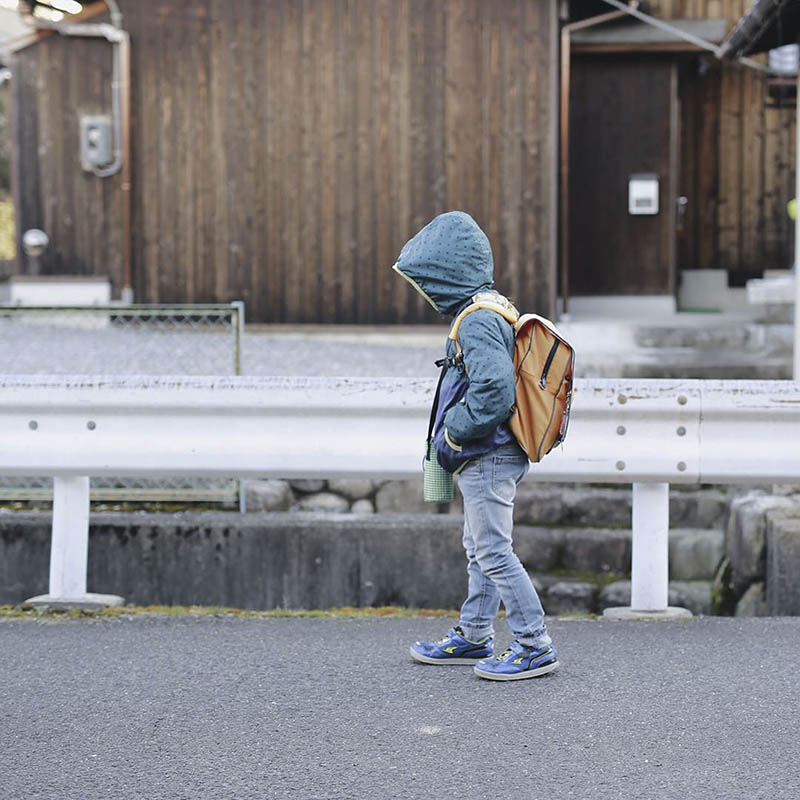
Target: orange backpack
544,364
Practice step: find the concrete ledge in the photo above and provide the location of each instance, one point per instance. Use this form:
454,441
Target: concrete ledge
258,561
671,613
87,602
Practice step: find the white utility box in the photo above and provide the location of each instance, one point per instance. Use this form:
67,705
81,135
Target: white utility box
643,194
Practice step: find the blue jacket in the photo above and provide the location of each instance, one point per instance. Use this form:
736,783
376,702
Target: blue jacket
448,262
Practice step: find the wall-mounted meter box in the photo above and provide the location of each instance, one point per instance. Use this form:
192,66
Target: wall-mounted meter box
95,142
643,193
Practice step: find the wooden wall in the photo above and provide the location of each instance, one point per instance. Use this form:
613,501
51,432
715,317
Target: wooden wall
737,156
52,85
737,168
283,150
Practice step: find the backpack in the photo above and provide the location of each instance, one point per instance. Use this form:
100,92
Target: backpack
544,363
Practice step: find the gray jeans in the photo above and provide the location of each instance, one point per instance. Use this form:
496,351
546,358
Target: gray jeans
489,485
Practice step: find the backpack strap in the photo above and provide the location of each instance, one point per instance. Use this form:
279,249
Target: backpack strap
442,362
490,301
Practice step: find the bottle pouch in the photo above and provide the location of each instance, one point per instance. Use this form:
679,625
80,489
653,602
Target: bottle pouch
437,482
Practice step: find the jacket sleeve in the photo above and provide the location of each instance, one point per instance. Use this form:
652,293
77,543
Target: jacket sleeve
490,373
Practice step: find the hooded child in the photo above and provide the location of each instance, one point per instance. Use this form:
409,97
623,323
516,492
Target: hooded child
448,262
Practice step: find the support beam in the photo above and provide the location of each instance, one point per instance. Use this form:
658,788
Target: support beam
650,557
69,550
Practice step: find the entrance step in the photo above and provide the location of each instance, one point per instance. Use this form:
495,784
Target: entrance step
711,346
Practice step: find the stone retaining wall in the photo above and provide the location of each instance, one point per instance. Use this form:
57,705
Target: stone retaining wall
760,573
321,560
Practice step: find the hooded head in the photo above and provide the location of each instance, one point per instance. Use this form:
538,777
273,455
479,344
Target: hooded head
448,261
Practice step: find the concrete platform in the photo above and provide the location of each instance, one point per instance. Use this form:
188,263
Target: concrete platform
87,602
628,614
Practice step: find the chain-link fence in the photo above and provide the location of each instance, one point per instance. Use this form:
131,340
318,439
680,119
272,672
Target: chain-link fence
123,339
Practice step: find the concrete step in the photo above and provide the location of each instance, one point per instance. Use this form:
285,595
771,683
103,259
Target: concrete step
682,346
577,505
681,362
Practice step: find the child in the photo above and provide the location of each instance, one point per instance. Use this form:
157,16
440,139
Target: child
448,262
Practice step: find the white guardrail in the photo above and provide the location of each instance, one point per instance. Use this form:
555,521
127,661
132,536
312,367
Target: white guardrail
648,433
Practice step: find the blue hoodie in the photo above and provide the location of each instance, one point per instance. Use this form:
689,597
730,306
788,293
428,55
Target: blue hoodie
448,262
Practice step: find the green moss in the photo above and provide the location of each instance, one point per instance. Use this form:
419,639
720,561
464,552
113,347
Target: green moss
346,612
600,579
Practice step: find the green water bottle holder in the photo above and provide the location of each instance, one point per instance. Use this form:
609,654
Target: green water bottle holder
437,482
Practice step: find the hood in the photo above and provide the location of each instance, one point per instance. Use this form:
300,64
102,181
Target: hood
448,261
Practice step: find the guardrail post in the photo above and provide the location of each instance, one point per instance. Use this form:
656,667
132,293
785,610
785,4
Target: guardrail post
69,550
650,556
650,553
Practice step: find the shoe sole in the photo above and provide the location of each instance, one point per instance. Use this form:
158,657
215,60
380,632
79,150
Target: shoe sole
520,676
443,661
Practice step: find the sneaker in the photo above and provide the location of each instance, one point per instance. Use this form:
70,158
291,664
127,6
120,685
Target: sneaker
452,649
517,663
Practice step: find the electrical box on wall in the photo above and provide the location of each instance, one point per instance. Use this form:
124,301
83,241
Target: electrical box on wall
643,193
95,142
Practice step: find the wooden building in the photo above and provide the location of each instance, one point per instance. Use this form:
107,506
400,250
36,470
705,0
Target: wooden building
720,143
282,151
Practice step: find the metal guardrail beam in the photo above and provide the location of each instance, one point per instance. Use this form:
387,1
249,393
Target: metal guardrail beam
648,433
621,431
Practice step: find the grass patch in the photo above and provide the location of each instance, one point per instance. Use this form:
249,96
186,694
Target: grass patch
116,612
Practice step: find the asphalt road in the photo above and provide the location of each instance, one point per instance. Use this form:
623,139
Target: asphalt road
317,708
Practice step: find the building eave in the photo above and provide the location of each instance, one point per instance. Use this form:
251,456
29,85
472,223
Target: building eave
768,24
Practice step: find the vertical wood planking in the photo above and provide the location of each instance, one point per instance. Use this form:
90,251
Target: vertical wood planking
365,122
510,175
402,167
752,172
382,186
203,233
328,291
250,281
218,124
730,150
284,151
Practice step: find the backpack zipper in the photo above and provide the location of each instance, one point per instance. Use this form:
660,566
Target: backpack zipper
550,357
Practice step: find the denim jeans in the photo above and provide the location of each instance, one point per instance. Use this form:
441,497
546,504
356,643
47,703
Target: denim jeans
489,485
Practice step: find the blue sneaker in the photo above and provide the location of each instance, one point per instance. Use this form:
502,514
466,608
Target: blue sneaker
517,663
452,649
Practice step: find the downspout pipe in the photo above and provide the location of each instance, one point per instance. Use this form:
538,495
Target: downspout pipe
121,108
566,46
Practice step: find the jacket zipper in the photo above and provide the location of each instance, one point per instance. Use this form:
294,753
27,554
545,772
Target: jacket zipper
550,357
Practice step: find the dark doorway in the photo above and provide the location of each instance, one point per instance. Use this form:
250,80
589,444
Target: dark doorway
623,121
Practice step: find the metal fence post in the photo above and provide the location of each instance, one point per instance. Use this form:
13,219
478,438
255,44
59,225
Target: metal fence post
69,546
238,335
650,556
69,549
238,343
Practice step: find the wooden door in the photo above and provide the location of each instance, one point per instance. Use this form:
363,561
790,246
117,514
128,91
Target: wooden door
623,121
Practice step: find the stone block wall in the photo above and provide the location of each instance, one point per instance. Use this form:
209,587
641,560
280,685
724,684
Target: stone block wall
760,572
